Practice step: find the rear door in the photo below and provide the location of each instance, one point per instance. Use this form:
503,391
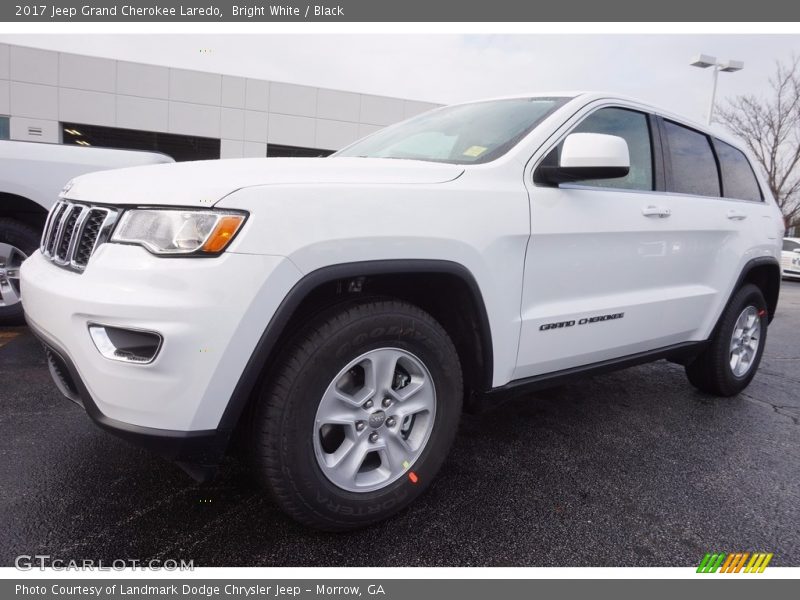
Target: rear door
728,227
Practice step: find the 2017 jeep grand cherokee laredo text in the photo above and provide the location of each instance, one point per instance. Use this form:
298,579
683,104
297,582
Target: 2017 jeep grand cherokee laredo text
334,314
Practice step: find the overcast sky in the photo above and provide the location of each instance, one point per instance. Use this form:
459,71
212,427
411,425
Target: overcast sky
450,68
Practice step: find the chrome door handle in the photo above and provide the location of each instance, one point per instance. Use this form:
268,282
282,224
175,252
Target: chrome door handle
736,215
656,211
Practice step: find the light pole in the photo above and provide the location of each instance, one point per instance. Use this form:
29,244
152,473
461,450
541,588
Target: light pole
726,66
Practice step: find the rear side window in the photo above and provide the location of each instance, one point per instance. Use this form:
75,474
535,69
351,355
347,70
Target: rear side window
631,126
694,168
738,179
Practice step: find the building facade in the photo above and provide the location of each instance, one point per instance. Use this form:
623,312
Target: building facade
57,97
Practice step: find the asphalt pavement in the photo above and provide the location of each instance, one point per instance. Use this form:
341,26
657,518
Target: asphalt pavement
634,468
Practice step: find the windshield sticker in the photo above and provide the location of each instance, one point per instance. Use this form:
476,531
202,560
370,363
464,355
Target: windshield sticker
475,151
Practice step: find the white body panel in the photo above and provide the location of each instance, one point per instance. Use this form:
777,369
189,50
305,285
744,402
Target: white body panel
594,253
210,313
479,220
666,261
538,255
39,171
203,182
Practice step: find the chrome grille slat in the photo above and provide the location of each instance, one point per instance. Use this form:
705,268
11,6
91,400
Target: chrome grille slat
77,229
48,224
73,231
68,222
57,213
98,221
60,227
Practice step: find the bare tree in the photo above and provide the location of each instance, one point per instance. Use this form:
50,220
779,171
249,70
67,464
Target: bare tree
770,127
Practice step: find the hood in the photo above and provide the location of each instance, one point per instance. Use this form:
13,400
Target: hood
203,183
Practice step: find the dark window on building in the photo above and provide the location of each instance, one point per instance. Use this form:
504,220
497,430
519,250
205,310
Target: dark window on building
179,147
738,179
631,126
4,133
694,168
275,150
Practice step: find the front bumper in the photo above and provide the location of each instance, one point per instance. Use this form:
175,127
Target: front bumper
210,312
197,452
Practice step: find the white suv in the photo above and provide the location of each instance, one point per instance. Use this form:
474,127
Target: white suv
335,313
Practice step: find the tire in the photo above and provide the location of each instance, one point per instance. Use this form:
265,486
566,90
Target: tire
292,442
713,370
15,237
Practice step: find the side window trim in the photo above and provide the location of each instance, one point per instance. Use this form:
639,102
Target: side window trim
714,142
669,171
718,163
658,176
658,154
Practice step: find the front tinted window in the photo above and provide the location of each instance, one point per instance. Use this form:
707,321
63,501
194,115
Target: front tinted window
631,126
694,169
464,134
790,246
738,179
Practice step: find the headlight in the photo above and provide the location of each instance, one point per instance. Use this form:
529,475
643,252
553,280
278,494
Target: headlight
166,231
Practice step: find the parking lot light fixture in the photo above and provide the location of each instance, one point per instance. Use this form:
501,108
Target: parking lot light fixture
705,61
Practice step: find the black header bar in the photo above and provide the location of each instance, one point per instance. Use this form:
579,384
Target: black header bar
343,11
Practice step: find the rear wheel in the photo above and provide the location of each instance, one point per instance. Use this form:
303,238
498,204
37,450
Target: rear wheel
357,418
17,242
731,360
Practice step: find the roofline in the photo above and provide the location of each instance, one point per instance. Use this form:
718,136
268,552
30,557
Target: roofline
592,96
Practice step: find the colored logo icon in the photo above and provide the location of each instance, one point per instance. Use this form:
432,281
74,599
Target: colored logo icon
738,562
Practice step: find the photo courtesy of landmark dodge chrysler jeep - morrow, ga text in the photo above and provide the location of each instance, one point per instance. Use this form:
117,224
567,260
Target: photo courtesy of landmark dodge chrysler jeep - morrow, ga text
334,315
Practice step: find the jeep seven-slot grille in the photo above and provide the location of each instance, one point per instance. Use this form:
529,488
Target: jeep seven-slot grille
73,231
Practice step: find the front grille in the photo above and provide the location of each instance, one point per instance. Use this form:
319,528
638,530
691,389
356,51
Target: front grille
73,231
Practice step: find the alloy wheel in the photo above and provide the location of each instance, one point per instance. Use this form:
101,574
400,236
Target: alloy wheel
744,341
374,420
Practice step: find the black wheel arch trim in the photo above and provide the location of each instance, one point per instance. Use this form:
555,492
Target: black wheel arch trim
199,452
309,282
759,261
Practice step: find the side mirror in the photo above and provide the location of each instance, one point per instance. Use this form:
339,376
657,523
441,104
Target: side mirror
797,250
588,156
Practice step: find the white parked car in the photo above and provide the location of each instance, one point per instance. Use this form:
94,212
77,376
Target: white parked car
338,312
790,258
31,176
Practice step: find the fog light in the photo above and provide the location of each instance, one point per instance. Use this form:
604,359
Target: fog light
125,345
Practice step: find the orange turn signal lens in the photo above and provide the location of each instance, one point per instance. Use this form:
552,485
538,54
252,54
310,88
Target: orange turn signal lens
223,233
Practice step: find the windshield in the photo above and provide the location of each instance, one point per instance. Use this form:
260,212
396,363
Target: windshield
464,134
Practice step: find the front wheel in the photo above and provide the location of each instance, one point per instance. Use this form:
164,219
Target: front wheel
731,360
356,420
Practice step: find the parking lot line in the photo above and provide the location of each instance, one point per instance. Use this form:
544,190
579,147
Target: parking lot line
7,336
